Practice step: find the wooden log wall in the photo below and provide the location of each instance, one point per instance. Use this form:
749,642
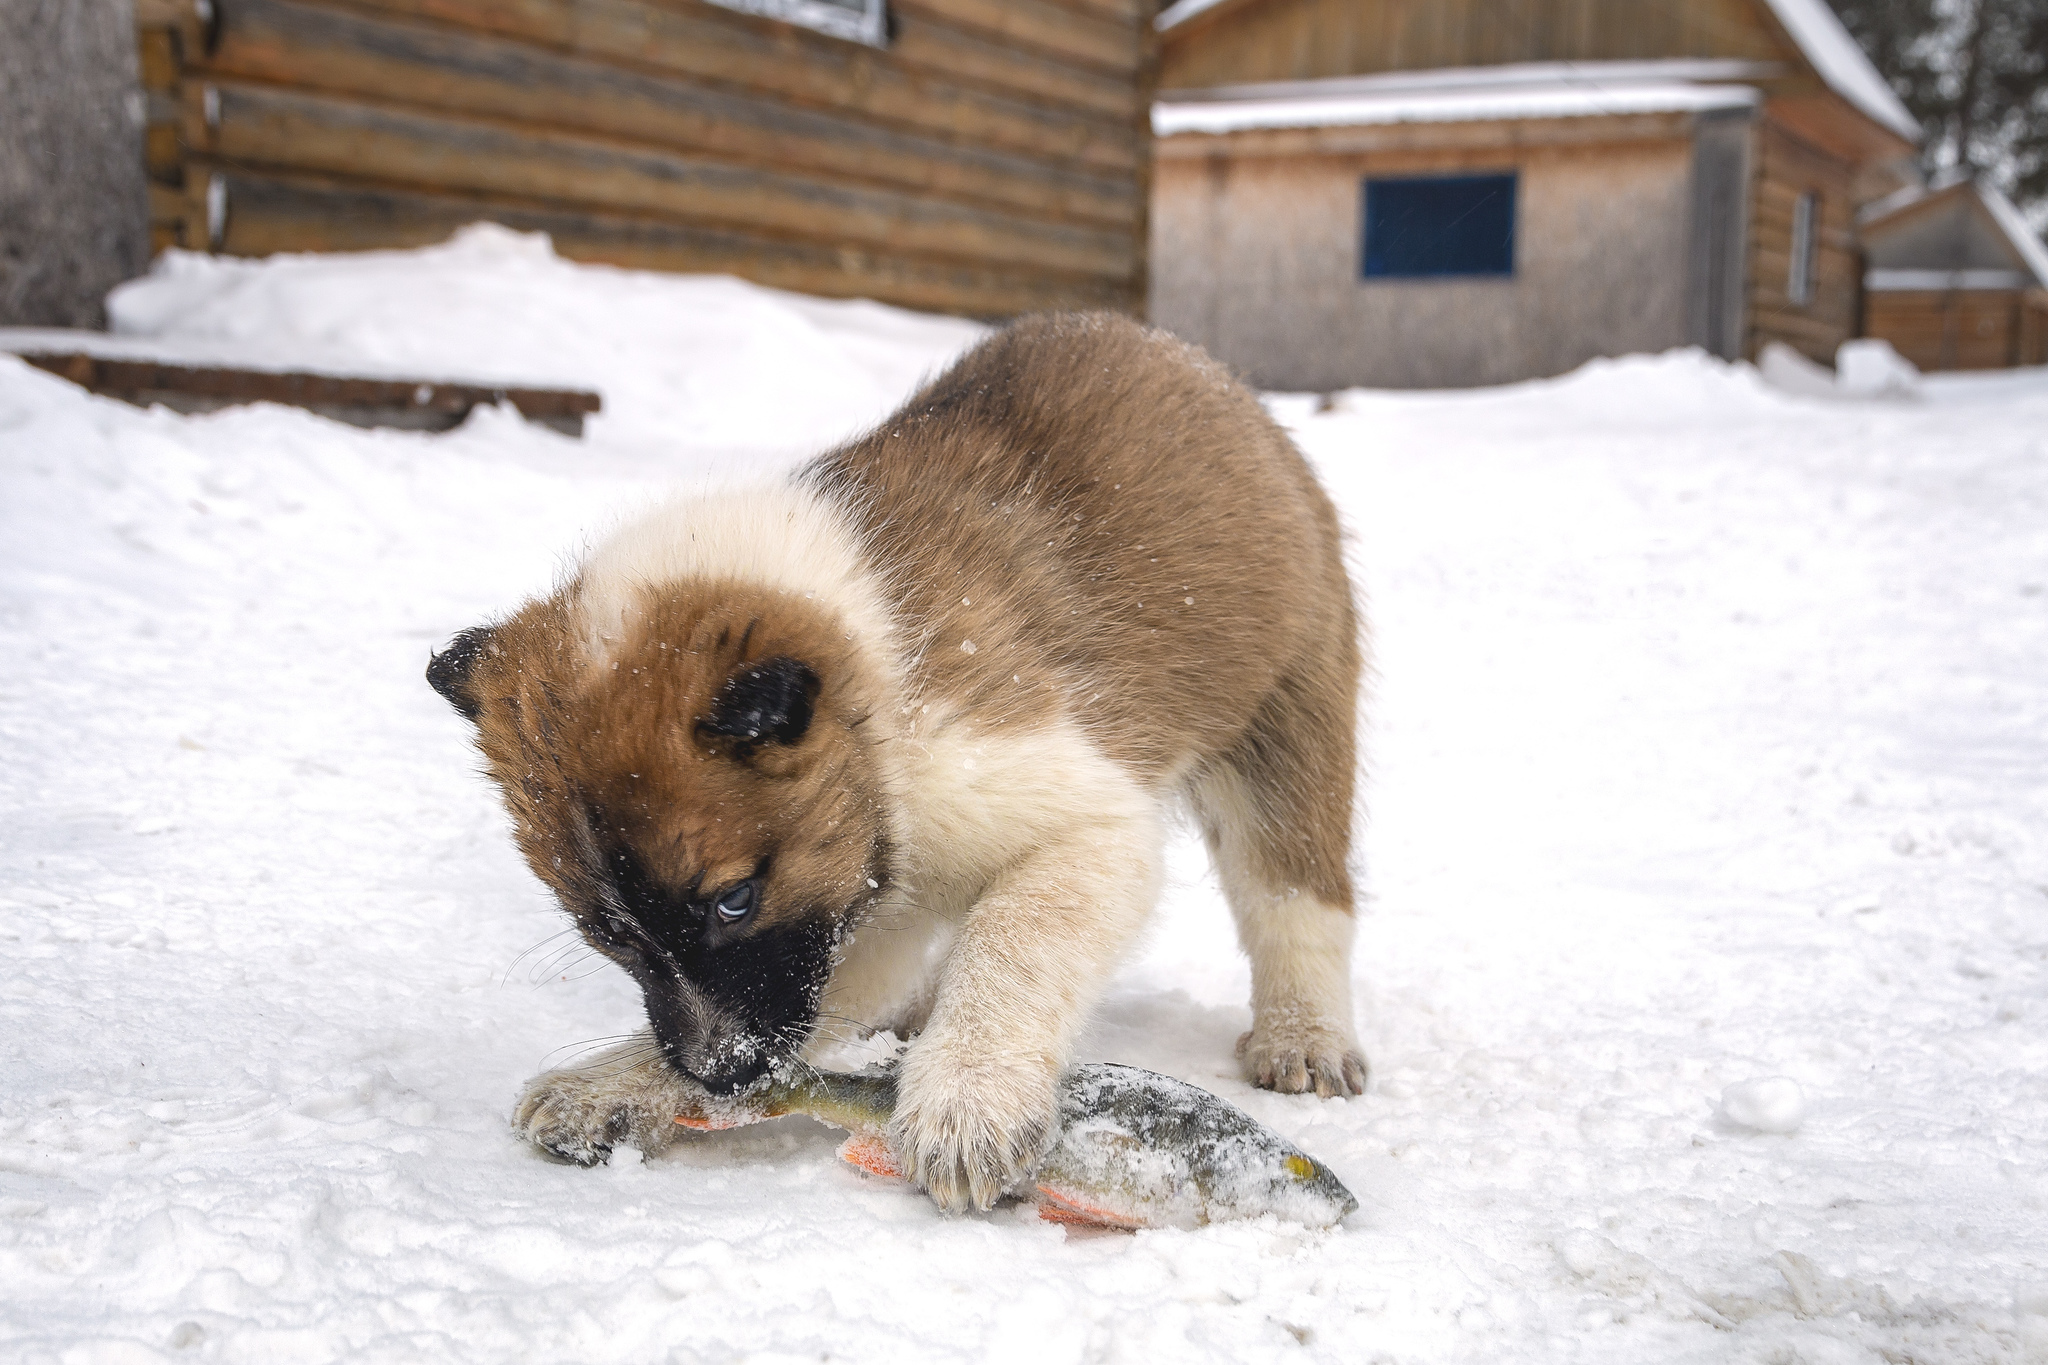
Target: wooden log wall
1962,329
1785,167
993,158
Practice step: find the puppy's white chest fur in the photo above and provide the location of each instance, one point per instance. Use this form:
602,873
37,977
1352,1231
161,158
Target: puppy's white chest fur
976,798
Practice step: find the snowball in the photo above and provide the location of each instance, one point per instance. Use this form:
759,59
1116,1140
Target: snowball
1787,371
1870,368
1773,1104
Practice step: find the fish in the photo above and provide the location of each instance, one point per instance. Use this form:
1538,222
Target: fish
1134,1149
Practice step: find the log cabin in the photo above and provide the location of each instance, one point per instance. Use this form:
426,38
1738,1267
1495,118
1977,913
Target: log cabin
1424,193
979,157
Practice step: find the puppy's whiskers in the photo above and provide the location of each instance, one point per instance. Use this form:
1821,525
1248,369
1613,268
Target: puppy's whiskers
563,1056
513,966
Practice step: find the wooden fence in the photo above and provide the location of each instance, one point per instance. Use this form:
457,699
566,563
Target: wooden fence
991,158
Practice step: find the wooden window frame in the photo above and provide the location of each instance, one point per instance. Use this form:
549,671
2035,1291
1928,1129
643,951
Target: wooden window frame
857,21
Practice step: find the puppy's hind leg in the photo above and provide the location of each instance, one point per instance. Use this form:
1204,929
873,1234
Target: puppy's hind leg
1276,811
625,1096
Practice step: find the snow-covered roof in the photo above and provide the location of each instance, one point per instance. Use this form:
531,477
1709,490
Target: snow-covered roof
2014,224
1461,95
1822,40
1842,64
2011,222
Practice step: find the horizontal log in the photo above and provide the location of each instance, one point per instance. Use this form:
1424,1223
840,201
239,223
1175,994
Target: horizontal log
310,48
163,153
1803,172
1051,28
268,215
1126,12
156,53
281,130
1777,204
1834,305
420,404
736,51
952,53
1829,267
1790,324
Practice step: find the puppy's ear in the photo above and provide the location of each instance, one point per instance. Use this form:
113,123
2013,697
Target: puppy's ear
769,702
449,671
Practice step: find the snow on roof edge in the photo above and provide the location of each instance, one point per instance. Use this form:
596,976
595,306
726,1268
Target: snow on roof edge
1181,11
1350,107
1843,64
2031,248
1692,70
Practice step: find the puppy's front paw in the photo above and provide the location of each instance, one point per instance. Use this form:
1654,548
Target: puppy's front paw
580,1116
1296,1055
967,1129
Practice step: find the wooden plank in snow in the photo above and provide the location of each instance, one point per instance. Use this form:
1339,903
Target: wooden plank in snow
421,405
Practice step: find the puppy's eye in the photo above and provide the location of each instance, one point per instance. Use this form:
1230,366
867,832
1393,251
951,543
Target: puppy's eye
735,904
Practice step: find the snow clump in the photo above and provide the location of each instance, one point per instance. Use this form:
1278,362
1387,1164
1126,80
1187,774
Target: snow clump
1772,1104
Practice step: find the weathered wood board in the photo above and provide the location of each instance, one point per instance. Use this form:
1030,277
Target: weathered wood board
424,405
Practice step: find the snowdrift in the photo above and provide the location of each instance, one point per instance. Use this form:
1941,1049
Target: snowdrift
1709,747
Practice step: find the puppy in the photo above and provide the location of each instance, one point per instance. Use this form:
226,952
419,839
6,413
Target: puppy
891,744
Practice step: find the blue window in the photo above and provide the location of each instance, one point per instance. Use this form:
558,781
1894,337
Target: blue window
1438,226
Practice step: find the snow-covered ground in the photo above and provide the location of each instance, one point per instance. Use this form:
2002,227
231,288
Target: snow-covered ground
1710,746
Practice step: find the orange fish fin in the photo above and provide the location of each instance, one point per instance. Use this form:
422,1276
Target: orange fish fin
1058,1206
870,1153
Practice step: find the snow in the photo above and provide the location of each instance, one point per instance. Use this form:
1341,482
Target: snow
1922,281
1871,367
1536,90
1180,11
1789,371
1709,743
706,361
1771,1104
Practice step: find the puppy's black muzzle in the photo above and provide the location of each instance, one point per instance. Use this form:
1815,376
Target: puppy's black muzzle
730,1080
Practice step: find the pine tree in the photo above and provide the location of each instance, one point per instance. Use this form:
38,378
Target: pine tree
1975,74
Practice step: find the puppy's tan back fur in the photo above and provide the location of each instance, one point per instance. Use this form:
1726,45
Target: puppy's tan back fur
1125,536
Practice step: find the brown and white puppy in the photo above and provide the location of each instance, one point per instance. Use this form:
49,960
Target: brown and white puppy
892,745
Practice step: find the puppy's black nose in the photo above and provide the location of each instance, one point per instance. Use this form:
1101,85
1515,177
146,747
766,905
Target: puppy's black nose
733,1077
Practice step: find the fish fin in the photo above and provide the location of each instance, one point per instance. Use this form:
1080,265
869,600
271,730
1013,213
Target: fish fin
1058,1206
870,1153
717,1124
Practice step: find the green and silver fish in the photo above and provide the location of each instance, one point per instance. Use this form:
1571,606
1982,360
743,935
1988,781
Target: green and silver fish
1135,1149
